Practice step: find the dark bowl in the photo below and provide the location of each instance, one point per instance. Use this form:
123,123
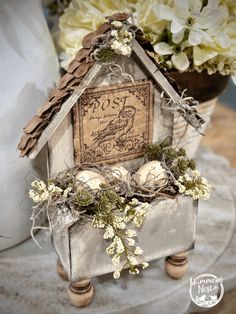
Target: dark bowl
200,86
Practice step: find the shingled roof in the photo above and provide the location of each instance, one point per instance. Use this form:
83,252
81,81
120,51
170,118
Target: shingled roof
77,69
84,60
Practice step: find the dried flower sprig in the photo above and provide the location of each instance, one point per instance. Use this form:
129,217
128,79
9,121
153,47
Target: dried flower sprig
194,185
183,176
107,210
115,215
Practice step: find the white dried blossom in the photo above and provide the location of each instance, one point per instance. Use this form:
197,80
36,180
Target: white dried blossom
134,201
132,260
121,48
67,191
134,271
131,241
117,24
138,251
109,233
114,33
119,223
52,188
110,250
116,274
119,246
38,184
34,196
98,223
194,185
45,196
131,233
116,260
145,265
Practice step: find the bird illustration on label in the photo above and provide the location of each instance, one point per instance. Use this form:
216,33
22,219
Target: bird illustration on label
116,131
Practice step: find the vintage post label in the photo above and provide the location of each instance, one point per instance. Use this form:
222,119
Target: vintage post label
113,123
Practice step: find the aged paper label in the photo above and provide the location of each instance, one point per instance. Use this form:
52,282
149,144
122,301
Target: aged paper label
113,123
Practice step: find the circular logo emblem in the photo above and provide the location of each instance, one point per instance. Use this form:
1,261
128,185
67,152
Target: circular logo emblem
206,290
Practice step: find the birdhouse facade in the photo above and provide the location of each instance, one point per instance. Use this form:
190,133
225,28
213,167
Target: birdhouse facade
106,110
112,121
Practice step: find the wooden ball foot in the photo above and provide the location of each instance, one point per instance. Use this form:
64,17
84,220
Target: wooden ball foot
61,271
81,293
177,265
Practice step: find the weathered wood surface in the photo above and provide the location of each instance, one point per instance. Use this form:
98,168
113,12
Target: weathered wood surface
60,147
151,68
177,265
169,228
81,293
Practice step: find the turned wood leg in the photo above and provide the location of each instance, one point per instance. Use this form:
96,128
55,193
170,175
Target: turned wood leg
61,271
177,265
81,293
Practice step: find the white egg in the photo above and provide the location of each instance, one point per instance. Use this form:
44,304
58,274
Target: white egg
151,175
91,178
119,172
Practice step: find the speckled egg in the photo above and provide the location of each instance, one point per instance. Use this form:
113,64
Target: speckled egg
91,178
151,175
119,172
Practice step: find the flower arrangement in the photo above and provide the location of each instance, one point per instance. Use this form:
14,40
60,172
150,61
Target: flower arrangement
112,199
186,35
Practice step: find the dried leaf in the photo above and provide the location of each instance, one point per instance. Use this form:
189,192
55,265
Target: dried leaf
73,66
102,29
59,96
52,93
32,124
83,69
37,132
45,107
23,141
75,82
65,80
119,16
88,40
31,143
82,54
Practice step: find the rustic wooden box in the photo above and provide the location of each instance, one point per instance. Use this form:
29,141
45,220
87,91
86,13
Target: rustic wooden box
169,228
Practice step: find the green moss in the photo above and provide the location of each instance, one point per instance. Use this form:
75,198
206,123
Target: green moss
105,55
192,164
181,152
170,154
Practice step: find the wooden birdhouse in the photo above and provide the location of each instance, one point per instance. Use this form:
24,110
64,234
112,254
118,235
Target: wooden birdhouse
106,109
